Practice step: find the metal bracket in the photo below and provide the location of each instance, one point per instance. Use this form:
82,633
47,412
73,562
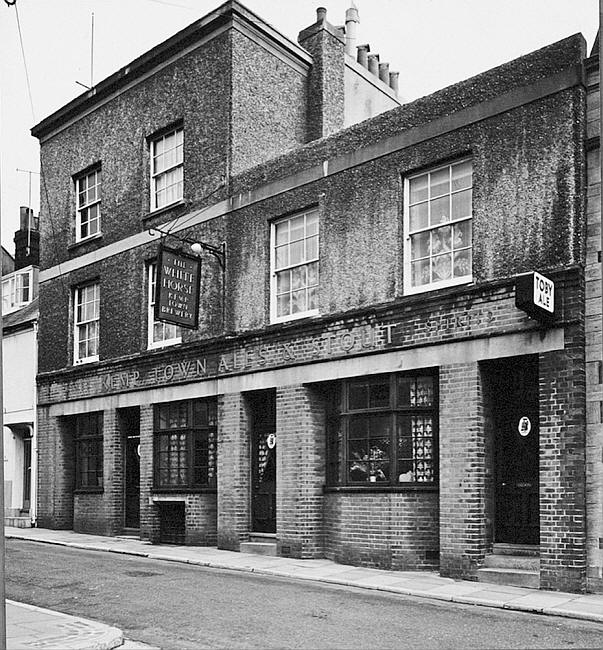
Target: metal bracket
218,252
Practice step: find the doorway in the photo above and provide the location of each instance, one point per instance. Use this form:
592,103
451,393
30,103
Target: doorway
516,450
263,461
26,473
130,426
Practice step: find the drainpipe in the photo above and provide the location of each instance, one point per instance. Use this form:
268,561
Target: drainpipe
33,506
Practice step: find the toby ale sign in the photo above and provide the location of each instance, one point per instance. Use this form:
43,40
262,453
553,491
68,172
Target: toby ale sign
535,294
177,288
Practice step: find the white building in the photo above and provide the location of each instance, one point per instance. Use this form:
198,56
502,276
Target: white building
19,366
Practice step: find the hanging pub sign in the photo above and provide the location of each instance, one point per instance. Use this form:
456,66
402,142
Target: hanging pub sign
535,294
177,288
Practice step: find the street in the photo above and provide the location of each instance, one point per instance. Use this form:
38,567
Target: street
175,605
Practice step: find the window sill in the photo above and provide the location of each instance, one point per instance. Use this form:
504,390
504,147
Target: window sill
159,345
164,209
366,489
281,320
82,242
161,493
83,362
425,288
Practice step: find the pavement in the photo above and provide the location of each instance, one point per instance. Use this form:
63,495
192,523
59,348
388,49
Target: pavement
33,627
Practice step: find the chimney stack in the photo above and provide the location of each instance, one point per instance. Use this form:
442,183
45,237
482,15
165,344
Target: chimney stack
351,28
27,240
321,15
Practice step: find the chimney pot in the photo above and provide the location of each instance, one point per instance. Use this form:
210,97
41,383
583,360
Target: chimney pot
373,64
362,56
384,72
321,15
351,23
393,81
25,218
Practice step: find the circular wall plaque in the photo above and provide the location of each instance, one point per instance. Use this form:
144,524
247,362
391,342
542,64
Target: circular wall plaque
524,426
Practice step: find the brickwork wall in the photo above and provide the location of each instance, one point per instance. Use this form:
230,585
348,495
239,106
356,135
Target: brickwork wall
90,514
300,470
200,519
594,349
463,477
234,471
398,531
562,464
113,450
55,472
149,513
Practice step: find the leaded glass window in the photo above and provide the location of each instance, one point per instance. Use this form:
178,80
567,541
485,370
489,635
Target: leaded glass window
185,444
387,433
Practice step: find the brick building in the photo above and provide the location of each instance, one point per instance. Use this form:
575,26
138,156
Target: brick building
361,385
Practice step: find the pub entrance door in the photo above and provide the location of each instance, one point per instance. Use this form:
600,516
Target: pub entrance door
516,450
130,423
263,461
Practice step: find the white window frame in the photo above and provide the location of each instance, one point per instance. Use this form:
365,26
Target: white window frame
13,288
172,167
305,262
85,295
172,334
88,198
466,278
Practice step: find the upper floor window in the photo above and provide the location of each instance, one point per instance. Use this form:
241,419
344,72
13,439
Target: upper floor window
16,290
185,444
86,323
386,431
89,451
88,219
167,168
437,225
294,277
159,333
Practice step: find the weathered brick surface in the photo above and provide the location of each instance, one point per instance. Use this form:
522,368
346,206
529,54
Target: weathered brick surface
464,533
56,476
300,425
593,347
234,471
562,468
149,513
389,530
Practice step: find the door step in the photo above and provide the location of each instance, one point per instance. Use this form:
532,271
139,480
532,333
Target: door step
511,565
18,522
516,549
260,544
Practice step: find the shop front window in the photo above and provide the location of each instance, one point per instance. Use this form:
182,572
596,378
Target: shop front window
185,444
386,432
89,452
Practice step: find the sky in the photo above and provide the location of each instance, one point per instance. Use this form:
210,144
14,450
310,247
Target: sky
48,51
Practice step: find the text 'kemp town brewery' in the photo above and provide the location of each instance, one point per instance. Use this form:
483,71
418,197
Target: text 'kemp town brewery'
383,346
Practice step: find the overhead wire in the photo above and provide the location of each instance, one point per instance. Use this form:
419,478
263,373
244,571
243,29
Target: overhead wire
33,115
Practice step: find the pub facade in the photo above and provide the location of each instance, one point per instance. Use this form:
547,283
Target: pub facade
388,365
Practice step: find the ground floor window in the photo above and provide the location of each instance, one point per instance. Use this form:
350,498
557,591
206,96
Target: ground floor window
384,431
89,451
185,444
